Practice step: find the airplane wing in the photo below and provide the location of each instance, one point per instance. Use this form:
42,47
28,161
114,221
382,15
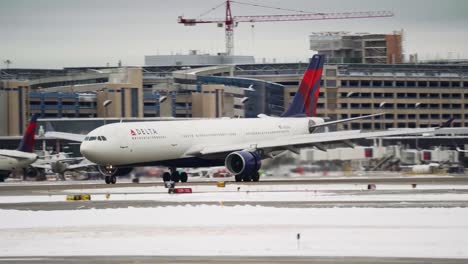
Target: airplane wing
45,166
17,154
67,136
83,164
48,166
345,120
303,141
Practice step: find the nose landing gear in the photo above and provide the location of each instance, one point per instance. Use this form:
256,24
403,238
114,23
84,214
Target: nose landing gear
109,172
110,179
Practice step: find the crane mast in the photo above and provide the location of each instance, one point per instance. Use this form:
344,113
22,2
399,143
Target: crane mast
231,21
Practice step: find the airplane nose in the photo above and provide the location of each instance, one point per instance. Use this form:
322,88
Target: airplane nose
86,151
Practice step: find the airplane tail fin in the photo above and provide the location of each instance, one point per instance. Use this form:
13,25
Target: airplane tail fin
27,143
305,100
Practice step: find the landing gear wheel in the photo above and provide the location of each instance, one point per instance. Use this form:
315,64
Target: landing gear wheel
247,178
166,176
175,176
256,176
107,179
113,179
238,178
183,177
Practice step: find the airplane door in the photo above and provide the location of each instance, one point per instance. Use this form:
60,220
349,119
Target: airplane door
126,142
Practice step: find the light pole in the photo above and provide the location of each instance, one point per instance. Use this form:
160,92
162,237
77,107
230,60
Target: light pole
105,104
417,105
162,99
244,101
381,106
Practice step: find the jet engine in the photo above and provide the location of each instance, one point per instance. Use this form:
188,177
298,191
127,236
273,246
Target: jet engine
114,171
243,162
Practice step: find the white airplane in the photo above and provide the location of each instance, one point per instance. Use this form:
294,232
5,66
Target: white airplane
59,164
238,144
23,156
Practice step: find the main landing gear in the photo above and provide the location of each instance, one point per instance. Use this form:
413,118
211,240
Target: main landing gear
175,176
247,177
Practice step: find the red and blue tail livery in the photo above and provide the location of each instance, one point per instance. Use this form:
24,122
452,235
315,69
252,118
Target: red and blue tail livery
28,141
305,100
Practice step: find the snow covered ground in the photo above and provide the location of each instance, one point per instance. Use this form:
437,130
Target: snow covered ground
238,230
205,230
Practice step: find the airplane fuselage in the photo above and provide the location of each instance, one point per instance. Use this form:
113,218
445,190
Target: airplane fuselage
147,143
13,159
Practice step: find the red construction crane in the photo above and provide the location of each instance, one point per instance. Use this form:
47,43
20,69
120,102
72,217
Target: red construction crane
231,21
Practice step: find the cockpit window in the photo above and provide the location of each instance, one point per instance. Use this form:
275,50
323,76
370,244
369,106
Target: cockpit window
100,138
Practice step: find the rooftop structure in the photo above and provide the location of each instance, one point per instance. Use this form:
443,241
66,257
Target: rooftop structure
343,47
196,59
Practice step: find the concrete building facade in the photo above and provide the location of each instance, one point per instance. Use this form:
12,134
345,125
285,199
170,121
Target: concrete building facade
411,95
342,47
14,106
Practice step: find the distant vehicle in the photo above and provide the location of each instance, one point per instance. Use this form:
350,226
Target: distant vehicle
198,172
430,168
239,144
210,172
22,157
148,172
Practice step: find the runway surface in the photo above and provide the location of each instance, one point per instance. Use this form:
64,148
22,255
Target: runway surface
224,260
57,186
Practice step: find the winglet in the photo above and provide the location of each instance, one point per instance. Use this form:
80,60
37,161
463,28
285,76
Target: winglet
305,100
28,141
447,123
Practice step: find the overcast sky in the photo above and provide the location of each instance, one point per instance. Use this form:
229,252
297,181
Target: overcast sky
64,33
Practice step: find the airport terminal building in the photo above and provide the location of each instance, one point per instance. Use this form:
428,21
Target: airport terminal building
411,95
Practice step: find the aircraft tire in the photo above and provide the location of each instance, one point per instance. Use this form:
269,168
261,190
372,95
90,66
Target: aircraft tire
247,178
238,178
107,179
183,177
256,176
113,179
2,178
166,176
175,176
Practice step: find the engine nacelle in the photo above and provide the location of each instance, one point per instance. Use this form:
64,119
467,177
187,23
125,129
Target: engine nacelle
243,162
114,171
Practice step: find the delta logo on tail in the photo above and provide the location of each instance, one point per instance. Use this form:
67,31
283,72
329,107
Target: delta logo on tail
305,100
28,141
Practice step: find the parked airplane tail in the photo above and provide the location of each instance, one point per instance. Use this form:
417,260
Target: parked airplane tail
305,100
27,143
